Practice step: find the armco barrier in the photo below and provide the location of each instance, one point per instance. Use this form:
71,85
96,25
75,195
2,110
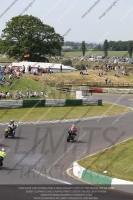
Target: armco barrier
73,102
11,103
117,90
55,102
91,103
48,102
33,103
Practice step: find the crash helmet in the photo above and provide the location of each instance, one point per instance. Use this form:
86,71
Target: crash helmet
3,149
73,125
12,121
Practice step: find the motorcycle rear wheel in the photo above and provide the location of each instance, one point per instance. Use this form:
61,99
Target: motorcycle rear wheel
68,139
6,135
13,133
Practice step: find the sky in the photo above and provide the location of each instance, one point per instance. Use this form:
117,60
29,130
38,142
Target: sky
77,20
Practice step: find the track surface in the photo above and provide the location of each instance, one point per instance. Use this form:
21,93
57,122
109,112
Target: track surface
49,141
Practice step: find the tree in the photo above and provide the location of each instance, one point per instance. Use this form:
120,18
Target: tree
130,48
105,48
83,48
98,47
28,35
67,62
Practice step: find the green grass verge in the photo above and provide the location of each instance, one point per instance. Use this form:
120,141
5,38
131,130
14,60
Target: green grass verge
118,161
58,113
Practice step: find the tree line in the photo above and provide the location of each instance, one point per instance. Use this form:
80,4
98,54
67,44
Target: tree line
106,47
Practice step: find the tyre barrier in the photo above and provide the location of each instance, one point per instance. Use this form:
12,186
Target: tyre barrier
111,90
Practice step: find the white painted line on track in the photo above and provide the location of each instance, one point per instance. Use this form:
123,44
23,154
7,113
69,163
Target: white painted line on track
53,179
65,121
116,104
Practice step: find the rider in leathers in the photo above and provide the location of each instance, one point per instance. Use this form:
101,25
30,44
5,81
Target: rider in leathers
2,155
12,125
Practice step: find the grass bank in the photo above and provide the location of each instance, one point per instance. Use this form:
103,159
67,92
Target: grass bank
76,77
118,161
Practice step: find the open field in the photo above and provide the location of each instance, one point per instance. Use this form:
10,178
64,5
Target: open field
98,53
58,113
116,160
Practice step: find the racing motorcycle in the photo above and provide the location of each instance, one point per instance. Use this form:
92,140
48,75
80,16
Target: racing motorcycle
9,132
71,136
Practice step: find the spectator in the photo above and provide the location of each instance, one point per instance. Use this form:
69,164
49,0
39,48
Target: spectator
36,94
10,76
21,95
8,95
106,80
61,68
23,69
16,95
9,83
42,93
28,92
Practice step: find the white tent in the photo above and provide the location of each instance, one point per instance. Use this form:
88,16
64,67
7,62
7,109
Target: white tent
53,66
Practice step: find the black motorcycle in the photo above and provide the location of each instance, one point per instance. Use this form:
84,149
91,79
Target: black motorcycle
71,136
9,131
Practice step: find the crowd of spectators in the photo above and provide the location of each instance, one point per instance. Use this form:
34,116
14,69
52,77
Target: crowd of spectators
29,94
118,69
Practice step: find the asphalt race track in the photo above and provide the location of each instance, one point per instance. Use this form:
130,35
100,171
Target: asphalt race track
39,154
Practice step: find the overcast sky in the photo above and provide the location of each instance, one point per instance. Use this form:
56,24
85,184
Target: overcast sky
77,20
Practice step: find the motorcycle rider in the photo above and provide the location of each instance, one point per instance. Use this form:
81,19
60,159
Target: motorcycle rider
12,125
73,129
2,155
